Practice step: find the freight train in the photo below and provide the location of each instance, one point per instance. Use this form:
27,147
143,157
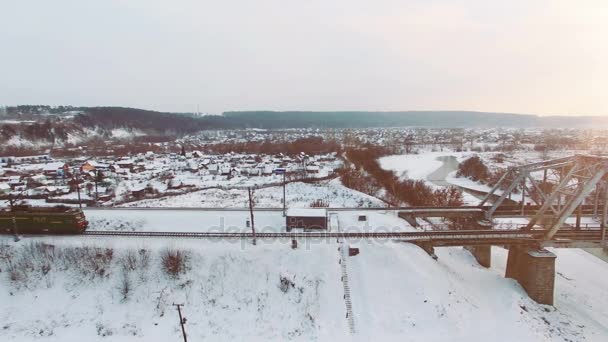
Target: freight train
51,220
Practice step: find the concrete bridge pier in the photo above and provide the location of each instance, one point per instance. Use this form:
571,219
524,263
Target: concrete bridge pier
534,269
483,254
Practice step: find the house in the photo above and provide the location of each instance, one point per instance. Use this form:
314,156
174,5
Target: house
51,191
268,169
15,181
138,192
126,164
213,169
37,179
5,189
91,165
306,218
55,169
253,171
312,169
235,171
225,170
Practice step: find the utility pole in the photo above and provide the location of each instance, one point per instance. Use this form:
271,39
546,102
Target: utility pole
12,201
251,213
182,320
75,179
284,199
96,192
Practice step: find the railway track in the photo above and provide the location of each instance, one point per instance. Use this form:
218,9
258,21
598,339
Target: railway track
503,211
591,235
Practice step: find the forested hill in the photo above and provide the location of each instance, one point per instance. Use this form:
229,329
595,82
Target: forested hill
183,123
112,117
447,119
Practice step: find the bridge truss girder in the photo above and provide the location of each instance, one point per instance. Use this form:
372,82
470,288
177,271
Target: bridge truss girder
577,177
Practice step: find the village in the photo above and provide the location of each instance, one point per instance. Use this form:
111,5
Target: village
45,181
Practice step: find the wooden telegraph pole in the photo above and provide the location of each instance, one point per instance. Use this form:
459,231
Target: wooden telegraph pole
11,201
250,191
96,192
182,320
75,180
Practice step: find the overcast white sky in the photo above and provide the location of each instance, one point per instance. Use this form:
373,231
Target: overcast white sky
524,56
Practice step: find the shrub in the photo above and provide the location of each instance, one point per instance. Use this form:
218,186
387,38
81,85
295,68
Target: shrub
174,262
125,284
93,261
475,169
285,283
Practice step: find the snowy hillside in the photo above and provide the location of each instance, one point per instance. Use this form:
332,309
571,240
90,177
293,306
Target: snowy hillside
230,291
235,291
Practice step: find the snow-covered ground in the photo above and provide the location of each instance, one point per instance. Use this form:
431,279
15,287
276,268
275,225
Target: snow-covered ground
413,298
230,221
414,166
184,220
299,195
232,291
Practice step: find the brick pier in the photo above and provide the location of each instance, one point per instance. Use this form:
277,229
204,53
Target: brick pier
483,254
534,269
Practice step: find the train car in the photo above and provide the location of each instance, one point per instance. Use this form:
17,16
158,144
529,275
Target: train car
52,220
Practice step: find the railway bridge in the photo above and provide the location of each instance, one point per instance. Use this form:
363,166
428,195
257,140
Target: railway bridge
559,189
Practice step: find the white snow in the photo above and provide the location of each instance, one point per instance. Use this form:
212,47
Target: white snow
413,166
306,212
399,293
232,292
299,195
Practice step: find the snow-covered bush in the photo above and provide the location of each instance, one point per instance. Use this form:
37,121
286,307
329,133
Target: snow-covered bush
174,262
286,282
89,261
125,284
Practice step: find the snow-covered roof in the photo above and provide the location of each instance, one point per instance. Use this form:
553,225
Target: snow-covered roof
97,164
53,166
4,186
306,212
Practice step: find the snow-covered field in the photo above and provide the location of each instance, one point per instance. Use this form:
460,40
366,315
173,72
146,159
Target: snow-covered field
232,291
230,221
299,195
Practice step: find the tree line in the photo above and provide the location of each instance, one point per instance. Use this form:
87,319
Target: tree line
362,172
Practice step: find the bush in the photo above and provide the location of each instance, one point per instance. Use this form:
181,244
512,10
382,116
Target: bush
174,262
125,285
285,283
93,261
475,169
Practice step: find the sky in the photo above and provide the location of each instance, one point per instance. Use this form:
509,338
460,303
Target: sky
546,57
